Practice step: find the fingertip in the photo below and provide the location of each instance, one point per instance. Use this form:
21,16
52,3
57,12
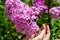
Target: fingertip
32,36
47,26
43,24
43,27
39,32
48,29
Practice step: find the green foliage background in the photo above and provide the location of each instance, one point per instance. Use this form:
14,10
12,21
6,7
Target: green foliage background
7,28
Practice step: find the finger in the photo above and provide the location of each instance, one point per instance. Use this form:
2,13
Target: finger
47,33
40,36
47,30
34,35
42,27
41,32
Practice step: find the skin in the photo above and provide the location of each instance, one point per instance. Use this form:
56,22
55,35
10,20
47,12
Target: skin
43,34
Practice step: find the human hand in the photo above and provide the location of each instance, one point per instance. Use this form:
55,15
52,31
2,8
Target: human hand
44,34
47,35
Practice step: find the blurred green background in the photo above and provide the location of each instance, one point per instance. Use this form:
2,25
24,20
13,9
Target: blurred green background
7,28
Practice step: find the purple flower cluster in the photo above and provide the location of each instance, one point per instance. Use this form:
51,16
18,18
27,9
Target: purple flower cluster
23,16
55,11
40,4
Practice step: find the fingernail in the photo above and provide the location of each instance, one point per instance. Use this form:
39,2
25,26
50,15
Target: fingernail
43,24
47,26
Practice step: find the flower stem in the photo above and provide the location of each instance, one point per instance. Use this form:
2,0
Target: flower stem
48,12
31,3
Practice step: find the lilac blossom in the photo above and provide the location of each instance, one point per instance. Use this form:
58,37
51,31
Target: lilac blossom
55,11
40,5
23,16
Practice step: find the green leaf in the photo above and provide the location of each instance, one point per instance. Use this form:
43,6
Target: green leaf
52,22
19,36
